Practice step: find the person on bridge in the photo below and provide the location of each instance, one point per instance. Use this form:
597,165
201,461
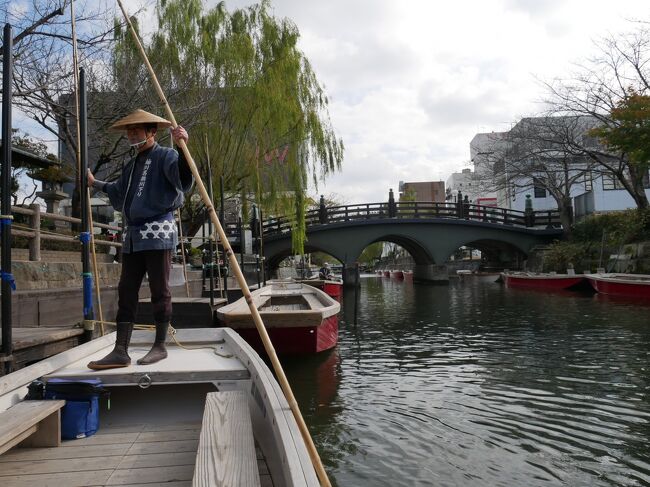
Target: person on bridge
147,192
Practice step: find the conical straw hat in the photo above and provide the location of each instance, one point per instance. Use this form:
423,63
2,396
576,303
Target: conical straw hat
140,117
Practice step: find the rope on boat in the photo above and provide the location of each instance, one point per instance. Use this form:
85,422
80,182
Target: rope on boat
257,319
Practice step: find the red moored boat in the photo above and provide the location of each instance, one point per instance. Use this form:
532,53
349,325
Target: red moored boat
386,273
631,285
408,275
329,286
397,274
541,281
299,318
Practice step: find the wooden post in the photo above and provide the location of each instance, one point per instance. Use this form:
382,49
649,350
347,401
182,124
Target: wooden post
35,241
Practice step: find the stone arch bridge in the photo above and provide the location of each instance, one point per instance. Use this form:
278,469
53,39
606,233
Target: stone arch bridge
430,232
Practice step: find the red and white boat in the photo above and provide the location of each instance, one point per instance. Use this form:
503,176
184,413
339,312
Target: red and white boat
299,318
541,281
386,273
331,287
631,285
397,274
408,275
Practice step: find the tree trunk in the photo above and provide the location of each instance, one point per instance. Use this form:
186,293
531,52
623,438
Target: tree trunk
566,216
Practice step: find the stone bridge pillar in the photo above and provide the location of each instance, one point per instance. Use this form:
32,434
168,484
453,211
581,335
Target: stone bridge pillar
431,273
350,275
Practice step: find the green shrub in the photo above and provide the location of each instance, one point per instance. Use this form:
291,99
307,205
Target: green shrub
620,228
562,255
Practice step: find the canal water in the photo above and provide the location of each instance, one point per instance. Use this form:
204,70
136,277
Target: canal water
475,384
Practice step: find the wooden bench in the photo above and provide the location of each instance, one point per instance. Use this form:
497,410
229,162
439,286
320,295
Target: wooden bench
313,301
226,454
35,423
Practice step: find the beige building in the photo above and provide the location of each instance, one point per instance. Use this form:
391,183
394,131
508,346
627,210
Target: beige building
432,191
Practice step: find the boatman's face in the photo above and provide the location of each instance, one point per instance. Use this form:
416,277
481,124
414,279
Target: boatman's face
136,134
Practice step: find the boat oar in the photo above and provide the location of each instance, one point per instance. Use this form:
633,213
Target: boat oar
268,346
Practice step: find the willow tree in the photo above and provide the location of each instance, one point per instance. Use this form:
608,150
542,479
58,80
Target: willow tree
252,102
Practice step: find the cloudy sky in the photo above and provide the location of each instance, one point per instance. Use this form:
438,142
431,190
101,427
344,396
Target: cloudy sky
411,82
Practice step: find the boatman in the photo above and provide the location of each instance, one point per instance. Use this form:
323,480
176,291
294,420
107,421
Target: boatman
325,272
147,192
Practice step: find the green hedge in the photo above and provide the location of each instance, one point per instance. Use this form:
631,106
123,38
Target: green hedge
586,243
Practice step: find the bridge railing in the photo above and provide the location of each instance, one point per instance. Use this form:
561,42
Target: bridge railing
417,210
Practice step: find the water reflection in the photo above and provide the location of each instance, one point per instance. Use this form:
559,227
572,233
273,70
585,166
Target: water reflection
477,384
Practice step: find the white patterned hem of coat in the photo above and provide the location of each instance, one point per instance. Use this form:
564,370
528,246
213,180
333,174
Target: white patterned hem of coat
163,229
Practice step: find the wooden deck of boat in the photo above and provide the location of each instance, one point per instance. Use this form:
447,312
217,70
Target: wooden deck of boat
31,344
131,455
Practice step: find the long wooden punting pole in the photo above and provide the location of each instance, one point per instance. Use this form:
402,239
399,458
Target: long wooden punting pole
268,346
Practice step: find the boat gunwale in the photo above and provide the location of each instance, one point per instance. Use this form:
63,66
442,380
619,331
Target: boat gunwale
620,278
545,276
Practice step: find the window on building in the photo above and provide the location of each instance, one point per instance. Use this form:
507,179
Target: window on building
588,182
611,182
539,189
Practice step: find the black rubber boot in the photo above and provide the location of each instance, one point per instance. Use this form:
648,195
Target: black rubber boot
119,357
158,350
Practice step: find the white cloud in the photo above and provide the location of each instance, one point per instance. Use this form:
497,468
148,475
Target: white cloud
412,82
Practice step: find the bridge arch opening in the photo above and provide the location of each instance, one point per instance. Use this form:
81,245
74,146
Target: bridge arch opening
486,254
303,265
394,252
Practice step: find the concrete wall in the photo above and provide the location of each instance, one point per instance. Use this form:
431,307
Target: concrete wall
59,275
56,256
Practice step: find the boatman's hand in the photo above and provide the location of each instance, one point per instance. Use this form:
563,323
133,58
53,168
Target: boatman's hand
179,133
91,179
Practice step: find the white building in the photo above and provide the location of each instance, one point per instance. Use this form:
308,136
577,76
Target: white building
593,191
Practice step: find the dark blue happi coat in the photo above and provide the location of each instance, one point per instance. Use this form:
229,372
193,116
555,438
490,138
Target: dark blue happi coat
147,192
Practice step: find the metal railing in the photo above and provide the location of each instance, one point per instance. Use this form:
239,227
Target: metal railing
418,210
35,233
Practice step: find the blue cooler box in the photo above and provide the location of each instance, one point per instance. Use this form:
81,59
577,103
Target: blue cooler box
80,415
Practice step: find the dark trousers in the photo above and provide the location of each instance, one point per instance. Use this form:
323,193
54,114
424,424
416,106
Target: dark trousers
157,265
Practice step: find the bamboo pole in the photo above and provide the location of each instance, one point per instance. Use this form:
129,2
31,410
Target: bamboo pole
75,63
257,319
